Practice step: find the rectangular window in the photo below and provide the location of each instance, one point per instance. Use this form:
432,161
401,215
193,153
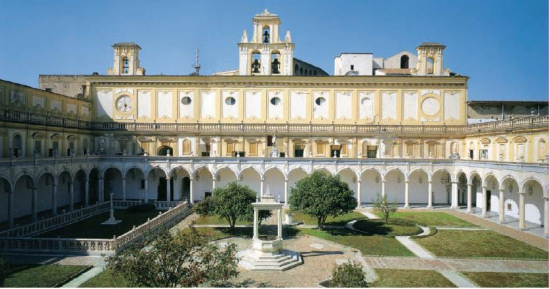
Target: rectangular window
253,149
230,151
298,150
371,152
38,146
186,147
483,154
410,150
269,140
320,148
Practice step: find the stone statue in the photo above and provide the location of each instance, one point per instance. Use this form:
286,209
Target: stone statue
256,66
101,144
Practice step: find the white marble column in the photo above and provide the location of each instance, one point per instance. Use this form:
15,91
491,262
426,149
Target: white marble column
34,203
383,189
101,190
358,193
545,220
522,211
146,196
469,198
280,223
407,205
168,191
286,192
86,192
54,199
191,193
71,196
430,195
10,208
501,205
484,201
124,189
454,195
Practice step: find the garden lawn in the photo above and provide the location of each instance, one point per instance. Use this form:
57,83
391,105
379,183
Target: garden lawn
43,275
368,245
394,227
214,220
410,278
449,243
92,228
331,221
431,219
492,279
105,279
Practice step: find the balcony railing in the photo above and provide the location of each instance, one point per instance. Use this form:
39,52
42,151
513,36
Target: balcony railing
231,128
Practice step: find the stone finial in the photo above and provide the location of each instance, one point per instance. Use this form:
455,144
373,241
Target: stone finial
244,38
288,39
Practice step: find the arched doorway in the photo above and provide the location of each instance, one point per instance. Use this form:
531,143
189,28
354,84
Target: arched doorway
165,151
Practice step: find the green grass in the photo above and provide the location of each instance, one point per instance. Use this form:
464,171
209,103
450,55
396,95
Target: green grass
491,279
331,221
214,220
449,243
432,219
42,275
410,278
105,279
368,245
394,227
92,228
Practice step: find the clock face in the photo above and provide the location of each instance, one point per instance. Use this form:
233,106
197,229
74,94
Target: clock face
124,104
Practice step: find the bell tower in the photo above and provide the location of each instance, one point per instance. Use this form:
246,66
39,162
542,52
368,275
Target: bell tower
430,60
265,53
126,59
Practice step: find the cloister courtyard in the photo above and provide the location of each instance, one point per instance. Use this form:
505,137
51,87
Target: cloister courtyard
418,248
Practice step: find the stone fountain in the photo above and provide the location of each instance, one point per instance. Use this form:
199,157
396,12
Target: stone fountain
267,253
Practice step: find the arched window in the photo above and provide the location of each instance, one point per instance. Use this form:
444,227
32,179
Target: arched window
404,61
17,145
275,63
301,71
296,69
125,65
256,64
266,35
186,147
429,66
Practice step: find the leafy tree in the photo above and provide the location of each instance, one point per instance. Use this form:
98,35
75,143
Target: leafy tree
204,207
349,274
4,268
383,206
319,196
234,202
186,259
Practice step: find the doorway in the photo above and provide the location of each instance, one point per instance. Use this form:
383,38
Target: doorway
488,200
161,189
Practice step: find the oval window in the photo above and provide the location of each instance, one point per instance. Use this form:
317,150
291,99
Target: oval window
275,101
230,101
186,100
320,100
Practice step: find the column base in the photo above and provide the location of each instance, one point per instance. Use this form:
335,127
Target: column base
406,207
429,207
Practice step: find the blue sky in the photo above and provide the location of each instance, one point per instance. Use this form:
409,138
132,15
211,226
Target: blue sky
502,45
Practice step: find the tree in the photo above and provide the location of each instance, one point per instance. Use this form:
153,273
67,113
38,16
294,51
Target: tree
4,268
383,206
319,196
186,259
234,202
349,274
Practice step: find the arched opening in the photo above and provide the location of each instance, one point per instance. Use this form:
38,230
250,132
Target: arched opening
203,186
429,66
125,65
182,184
157,181
5,190
404,61
23,201
462,189
80,189
93,187
534,203
165,150
371,186
251,178
64,184
266,34
225,176
255,62
17,146
296,69
295,176
112,184
135,184
275,63
350,178
275,181
511,197
491,200
418,187
394,182
475,180
45,198
441,188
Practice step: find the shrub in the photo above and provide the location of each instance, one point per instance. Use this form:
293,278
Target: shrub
204,207
4,268
349,274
